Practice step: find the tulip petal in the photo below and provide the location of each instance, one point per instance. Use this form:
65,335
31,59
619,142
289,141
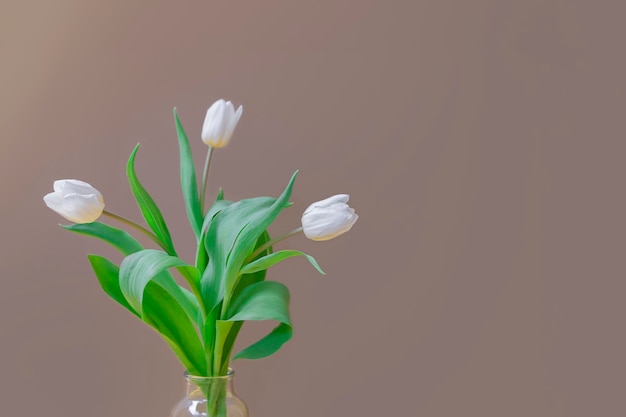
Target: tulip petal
328,218
54,201
75,186
219,123
327,202
82,208
75,200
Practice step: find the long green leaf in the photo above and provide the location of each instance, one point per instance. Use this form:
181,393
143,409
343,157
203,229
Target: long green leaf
108,277
172,316
268,345
202,256
276,257
215,350
237,228
249,235
117,238
221,236
188,179
217,207
257,224
163,312
139,268
148,207
247,279
127,245
265,300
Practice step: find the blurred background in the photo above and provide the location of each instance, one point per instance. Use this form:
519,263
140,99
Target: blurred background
482,144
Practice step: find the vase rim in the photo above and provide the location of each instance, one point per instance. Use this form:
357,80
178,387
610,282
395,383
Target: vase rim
197,378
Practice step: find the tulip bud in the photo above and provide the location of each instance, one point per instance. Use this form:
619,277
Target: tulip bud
328,218
219,123
75,200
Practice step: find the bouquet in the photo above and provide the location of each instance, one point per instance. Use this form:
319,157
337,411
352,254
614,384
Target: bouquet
226,284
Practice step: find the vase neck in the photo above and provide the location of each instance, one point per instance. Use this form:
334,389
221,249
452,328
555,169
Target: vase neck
210,397
205,384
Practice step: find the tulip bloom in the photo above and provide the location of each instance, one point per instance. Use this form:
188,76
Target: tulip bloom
219,123
328,218
75,200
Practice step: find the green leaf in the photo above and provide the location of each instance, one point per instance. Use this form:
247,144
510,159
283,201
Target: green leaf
188,179
108,277
237,228
265,300
228,334
221,235
167,307
164,313
217,206
276,257
148,207
161,311
268,345
202,257
250,278
127,245
138,269
117,238
257,224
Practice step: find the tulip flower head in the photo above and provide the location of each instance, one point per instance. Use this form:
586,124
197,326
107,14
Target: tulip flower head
219,123
75,200
329,218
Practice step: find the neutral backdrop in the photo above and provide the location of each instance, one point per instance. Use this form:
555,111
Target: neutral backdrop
482,143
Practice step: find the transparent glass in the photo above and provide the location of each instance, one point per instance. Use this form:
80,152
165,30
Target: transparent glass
210,397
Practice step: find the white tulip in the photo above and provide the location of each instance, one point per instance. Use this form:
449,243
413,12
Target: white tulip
328,218
75,200
219,123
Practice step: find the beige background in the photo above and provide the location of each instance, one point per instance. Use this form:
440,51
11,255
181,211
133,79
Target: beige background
482,143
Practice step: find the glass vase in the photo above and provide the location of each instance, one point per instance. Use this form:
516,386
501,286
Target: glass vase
210,397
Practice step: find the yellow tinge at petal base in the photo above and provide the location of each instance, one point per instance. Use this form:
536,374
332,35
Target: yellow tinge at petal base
219,123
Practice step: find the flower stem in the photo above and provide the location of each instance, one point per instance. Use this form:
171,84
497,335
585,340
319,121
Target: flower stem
272,242
205,176
138,227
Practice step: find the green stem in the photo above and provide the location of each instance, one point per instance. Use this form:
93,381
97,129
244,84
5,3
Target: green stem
216,399
272,242
209,337
227,350
138,227
205,176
